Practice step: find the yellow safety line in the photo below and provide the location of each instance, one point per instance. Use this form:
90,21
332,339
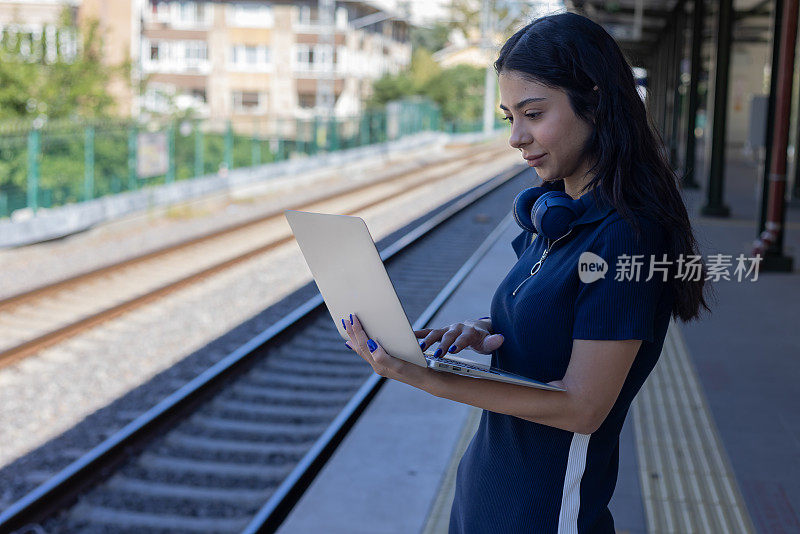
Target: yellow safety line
439,517
687,482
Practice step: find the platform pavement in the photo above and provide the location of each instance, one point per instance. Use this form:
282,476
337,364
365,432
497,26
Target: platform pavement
390,474
746,359
747,354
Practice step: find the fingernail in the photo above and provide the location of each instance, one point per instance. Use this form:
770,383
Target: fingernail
348,346
344,325
437,353
351,318
372,345
422,345
452,349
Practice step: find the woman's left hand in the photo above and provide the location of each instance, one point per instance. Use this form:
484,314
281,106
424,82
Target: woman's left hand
382,362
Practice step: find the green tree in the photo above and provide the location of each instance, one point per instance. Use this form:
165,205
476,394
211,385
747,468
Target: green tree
458,91
53,88
508,17
431,39
390,87
423,68
56,84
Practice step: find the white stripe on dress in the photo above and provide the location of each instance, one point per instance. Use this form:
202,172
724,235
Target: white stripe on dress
571,494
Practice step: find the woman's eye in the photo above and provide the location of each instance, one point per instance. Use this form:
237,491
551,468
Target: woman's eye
529,115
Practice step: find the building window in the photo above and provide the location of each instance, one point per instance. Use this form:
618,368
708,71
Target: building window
250,15
181,13
174,56
247,101
250,57
341,17
251,54
315,57
158,97
306,15
306,100
195,53
161,11
303,56
187,12
324,54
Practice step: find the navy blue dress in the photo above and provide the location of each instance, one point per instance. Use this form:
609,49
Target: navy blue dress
517,476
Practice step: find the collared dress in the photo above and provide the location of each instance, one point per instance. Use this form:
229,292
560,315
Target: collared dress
517,476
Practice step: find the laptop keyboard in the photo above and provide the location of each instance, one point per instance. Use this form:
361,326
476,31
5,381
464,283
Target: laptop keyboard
462,364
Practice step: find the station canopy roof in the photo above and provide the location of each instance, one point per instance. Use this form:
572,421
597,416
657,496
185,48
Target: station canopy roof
638,34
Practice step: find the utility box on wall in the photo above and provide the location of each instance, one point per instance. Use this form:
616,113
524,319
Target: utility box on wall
757,124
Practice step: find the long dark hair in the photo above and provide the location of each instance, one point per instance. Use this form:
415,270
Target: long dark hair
570,52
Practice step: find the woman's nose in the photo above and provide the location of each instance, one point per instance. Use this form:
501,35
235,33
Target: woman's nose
518,139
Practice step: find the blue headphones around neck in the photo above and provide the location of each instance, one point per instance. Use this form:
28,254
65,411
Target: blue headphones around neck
547,212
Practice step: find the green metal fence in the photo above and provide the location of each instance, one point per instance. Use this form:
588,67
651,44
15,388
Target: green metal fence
63,164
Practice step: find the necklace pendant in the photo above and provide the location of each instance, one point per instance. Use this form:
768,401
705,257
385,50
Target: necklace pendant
514,293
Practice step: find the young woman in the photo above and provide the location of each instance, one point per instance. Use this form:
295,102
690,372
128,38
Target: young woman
544,461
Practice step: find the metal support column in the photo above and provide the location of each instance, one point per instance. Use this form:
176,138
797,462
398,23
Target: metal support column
773,90
660,88
649,66
669,54
716,180
171,151
88,163
698,19
772,236
199,160
133,157
676,84
34,146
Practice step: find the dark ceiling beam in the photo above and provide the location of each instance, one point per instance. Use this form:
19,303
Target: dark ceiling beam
647,12
656,21
761,9
647,22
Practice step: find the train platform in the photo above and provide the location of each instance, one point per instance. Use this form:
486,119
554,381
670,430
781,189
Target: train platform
711,443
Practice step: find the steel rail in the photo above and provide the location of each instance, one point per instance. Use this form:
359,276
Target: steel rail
100,462
33,345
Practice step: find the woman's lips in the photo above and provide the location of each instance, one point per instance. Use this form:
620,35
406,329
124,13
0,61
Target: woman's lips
536,161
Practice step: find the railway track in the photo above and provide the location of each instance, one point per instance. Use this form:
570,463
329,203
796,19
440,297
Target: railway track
42,317
257,426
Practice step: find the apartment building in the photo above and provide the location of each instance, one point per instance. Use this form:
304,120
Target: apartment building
120,27
245,60
34,24
250,60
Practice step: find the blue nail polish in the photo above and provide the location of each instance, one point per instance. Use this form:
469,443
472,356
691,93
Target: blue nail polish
422,345
351,318
372,345
437,353
344,325
452,349
348,346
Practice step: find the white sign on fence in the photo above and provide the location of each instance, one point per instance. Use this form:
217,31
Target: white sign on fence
152,156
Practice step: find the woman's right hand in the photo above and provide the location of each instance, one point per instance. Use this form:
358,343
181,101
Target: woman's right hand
475,334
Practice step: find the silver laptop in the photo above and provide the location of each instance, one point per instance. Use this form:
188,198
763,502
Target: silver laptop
351,277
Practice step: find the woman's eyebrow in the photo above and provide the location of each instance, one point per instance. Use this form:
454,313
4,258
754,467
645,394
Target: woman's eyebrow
523,103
